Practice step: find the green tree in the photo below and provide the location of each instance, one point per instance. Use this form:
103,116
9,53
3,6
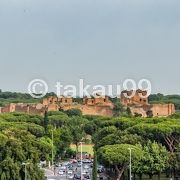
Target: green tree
18,146
154,161
74,112
118,156
46,122
76,125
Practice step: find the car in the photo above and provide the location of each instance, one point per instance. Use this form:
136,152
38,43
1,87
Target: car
100,169
84,172
86,161
70,171
61,172
63,168
79,165
77,176
70,166
87,176
70,176
86,167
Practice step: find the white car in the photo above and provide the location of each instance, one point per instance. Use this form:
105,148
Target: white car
71,176
85,172
63,168
61,172
86,167
69,171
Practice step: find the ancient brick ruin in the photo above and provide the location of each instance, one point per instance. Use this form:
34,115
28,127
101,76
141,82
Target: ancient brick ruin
139,105
98,105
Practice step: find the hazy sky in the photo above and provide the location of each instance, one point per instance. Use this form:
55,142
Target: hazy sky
102,41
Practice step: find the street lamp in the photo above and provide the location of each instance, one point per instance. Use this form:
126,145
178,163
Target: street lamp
130,163
81,158
25,164
52,153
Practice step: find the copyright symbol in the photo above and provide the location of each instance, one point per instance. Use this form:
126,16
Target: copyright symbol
37,88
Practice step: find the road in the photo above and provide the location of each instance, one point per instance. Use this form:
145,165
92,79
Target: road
75,167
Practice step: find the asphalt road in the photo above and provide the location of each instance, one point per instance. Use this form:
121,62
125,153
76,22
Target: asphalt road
76,169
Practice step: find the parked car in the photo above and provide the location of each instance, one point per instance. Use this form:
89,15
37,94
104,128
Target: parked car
86,161
70,166
63,168
70,176
79,165
86,176
61,172
86,167
77,176
85,172
69,171
100,169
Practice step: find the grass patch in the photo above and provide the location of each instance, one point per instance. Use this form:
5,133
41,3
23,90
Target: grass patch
85,148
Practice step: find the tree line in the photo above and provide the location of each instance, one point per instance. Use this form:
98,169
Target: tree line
155,143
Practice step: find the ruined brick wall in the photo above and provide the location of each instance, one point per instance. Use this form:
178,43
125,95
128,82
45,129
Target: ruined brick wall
163,110
35,110
65,100
88,101
97,110
158,110
52,107
5,109
8,108
138,109
24,108
98,100
49,100
138,98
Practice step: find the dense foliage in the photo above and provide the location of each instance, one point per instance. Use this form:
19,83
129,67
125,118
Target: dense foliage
155,142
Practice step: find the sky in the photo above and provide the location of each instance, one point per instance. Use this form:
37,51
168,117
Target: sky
101,41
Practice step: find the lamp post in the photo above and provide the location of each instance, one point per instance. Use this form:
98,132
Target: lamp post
81,159
52,153
130,163
25,169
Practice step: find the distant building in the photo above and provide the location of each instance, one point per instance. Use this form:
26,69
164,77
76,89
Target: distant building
25,108
95,105
139,105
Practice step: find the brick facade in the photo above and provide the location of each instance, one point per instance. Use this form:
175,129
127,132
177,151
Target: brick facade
138,104
98,105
